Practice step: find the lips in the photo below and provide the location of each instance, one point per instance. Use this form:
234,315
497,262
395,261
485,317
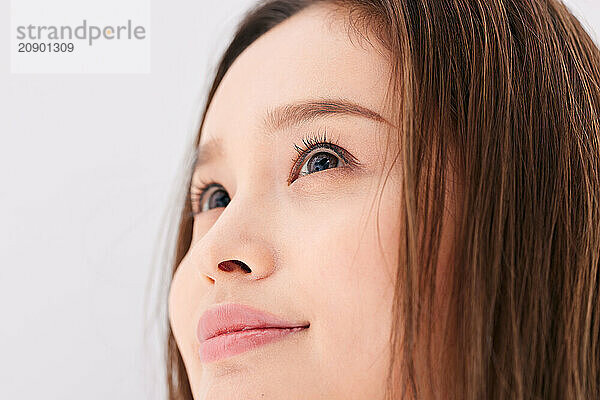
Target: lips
229,318
231,329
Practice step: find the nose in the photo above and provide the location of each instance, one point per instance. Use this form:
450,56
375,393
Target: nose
236,247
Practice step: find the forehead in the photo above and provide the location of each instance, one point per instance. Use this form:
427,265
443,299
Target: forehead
309,56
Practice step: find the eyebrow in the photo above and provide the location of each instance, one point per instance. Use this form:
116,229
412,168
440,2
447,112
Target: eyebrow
288,115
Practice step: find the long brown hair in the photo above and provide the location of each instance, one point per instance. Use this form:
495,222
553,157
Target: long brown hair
507,93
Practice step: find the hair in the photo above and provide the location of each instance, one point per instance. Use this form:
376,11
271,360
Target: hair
507,93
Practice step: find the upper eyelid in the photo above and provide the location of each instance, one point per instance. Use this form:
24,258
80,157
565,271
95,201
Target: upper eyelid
317,135
286,115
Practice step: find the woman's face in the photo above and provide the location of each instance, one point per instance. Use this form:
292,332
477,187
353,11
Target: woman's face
318,230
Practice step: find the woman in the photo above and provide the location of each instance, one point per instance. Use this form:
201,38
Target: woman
394,199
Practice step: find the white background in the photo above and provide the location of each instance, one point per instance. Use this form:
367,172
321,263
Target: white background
88,168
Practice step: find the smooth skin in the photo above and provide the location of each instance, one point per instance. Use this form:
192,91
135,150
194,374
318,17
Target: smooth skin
322,249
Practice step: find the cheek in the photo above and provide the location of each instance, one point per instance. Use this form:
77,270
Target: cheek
176,302
183,306
178,307
348,267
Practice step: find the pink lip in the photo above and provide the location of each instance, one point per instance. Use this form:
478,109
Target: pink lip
231,329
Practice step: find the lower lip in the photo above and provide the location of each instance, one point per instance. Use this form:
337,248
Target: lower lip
230,344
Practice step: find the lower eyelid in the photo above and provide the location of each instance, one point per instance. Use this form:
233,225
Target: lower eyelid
326,185
332,175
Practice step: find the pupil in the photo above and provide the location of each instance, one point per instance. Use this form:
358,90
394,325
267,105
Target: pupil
218,199
322,161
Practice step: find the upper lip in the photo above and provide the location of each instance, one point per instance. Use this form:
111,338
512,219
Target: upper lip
237,317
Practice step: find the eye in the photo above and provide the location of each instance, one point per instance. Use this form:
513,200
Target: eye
319,154
320,161
207,197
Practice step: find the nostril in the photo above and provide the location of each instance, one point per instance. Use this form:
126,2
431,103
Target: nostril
243,266
226,266
229,266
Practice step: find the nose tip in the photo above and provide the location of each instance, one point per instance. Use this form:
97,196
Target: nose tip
230,265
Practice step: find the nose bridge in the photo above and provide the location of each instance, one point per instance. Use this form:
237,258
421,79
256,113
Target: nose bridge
237,245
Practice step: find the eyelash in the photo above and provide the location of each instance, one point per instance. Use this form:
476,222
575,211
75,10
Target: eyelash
197,193
310,143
